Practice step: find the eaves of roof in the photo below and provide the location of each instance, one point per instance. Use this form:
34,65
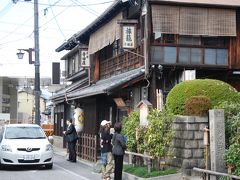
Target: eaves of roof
62,93
74,50
106,86
83,36
78,75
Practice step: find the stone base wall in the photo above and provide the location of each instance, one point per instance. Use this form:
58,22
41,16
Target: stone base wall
188,143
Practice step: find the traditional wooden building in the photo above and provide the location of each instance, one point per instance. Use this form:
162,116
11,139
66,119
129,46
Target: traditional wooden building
140,49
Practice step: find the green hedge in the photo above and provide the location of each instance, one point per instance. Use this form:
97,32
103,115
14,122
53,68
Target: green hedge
218,92
197,106
130,124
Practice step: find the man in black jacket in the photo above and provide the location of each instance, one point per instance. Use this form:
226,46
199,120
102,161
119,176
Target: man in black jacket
71,137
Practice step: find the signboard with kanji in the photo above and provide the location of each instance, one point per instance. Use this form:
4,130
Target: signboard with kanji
85,59
129,36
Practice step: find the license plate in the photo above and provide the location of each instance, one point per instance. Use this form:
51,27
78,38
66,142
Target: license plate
28,157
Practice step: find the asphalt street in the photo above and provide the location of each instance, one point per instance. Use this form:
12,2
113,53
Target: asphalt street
62,170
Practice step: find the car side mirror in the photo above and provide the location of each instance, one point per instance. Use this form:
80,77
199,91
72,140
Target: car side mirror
50,139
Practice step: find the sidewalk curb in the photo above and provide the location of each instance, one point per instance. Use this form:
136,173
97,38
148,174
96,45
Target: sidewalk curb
178,176
125,176
63,152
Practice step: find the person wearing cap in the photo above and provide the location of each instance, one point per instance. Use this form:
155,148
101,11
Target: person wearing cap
106,149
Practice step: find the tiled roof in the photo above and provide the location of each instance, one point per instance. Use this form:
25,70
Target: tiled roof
105,86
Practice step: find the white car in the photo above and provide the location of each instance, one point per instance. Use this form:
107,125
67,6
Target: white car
25,144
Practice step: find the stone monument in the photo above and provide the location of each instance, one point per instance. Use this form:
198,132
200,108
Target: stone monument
217,141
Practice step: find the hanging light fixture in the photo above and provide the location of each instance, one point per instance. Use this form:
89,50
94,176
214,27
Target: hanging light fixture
20,54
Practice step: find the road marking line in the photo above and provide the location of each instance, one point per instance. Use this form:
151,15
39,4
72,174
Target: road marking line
75,174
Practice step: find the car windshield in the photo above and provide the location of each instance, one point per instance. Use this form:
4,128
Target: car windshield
24,133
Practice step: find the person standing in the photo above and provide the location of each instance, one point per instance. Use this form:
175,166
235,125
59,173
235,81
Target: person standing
106,149
71,137
119,146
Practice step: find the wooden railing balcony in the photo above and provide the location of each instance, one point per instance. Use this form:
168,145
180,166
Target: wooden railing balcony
121,63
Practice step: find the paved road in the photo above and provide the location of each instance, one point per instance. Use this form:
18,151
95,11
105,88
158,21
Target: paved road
62,170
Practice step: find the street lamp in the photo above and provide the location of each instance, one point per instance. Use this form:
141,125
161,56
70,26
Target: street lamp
36,62
20,54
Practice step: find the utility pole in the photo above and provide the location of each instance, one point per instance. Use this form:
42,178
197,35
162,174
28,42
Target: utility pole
37,64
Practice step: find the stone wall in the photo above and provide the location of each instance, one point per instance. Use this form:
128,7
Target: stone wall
188,143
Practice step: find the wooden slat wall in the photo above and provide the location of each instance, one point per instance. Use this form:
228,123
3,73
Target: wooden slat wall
234,47
90,117
237,43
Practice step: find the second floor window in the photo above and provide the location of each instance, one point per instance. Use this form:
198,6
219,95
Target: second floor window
73,64
184,40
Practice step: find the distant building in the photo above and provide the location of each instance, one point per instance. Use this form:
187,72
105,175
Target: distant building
8,100
26,106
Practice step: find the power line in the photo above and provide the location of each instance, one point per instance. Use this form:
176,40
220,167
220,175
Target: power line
54,17
13,41
5,10
19,26
11,32
74,4
85,8
57,21
9,23
93,4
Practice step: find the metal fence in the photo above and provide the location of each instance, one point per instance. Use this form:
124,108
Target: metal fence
209,175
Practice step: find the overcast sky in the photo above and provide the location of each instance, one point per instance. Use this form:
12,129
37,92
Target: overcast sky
58,21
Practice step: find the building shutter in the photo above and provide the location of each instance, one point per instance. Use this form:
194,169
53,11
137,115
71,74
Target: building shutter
193,20
105,35
165,19
221,22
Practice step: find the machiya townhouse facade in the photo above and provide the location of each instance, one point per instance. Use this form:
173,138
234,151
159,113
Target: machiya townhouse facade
139,50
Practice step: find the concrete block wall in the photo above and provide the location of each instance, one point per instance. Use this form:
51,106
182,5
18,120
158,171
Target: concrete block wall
188,143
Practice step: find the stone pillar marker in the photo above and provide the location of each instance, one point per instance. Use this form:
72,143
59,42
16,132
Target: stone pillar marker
217,141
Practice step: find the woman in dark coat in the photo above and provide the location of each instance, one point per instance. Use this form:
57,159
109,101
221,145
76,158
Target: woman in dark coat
119,146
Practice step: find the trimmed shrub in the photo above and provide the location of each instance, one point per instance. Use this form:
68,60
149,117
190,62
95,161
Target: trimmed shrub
197,106
218,92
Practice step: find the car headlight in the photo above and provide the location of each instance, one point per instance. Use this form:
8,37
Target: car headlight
49,147
6,148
